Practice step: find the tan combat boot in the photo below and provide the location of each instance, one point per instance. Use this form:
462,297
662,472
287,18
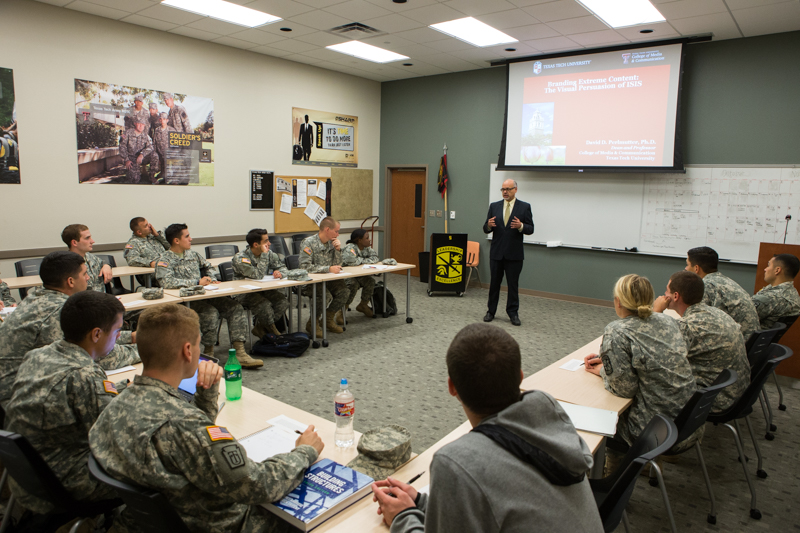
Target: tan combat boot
339,318
319,329
208,350
244,358
272,329
363,307
259,331
333,327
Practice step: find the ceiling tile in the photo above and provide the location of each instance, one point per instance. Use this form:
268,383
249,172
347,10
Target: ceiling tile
526,3
194,33
720,24
433,14
280,8
320,20
100,11
577,25
422,35
59,3
321,38
323,54
400,8
319,4
170,14
357,10
257,36
661,30
236,43
520,49
450,63
562,9
301,58
148,22
473,8
595,38
412,50
553,44
691,8
477,55
294,46
775,18
131,6
450,45
393,23
513,18
743,4
297,29
420,68
534,31
270,51
220,27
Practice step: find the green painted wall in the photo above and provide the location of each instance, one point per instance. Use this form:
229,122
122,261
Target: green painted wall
741,105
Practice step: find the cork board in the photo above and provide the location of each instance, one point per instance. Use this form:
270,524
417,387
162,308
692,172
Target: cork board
352,193
297,221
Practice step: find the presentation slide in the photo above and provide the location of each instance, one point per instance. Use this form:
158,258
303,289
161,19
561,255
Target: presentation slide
605,109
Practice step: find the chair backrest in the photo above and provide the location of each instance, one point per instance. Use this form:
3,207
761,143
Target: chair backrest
27,267
297,240
758,346
115,282
788,321
30,471
473,253
292,262
221,250
150,509
278,245
226,271
658,437
695,412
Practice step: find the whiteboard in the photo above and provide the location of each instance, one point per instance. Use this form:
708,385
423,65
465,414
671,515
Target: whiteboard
729,209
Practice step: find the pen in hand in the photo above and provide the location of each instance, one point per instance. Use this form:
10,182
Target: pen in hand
413,479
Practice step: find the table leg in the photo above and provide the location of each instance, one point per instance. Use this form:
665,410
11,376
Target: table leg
148,280
324,315
409,320
384,296
289,325
313,318
599,461
133,281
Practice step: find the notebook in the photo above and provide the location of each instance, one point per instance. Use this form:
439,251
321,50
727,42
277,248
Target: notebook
600,421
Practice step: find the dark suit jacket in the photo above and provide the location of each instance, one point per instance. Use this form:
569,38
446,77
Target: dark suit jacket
507,241
306,134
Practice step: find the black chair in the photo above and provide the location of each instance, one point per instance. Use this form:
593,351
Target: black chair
221,250
613,492
742,408
27,267
278,245
115,287
788,321
150,509
297,240
691,418
757,352
27,468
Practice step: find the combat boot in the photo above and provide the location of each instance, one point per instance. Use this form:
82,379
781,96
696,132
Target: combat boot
208,350
259,331
244,358
363,307
319,329
333,327
339,318
272,329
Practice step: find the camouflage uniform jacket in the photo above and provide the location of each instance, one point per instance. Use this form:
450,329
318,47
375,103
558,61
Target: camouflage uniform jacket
714,344
645,359
776,302
93,266
179,120
161,140
352,256
724,293
175,271
247,266
5,294
143,114
316,257
141,251
59,393
151,436
135,144
37,323
154,122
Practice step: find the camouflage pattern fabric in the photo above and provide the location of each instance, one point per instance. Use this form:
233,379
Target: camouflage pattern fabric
266,306
352,256
317,258
354,284
389,261
59,393
645,359
381,451
153,123
161,142
141,251
130,118
724,293
339,294
179,120
175,271
132,146
152,437
5,294
773,303
191,291
298,274
153,294
93,266
714,343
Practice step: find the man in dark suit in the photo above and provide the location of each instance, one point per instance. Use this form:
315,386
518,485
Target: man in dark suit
508,220
306,138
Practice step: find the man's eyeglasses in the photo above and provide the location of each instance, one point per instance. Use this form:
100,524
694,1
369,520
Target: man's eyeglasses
507,189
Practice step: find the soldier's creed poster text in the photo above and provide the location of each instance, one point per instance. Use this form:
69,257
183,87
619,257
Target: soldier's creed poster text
320,138
133,135
9,138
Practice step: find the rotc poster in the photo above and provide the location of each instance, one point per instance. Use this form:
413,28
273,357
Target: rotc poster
324,139
9,144
133,135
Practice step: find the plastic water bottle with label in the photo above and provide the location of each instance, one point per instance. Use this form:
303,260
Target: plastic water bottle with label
233,377
344,407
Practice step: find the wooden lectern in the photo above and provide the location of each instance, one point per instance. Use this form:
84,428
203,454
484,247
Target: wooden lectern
790,367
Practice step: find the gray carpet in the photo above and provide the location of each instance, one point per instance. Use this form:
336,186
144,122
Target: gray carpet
398,375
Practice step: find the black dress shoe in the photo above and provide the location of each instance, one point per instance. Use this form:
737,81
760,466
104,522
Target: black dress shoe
489,317
515,320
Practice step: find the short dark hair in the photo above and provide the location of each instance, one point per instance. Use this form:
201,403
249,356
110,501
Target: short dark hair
162,330
59,266
789,263
704,257
484,364
356,236
328,222
135,221
689,285
254,236
72,233
174,231
84,311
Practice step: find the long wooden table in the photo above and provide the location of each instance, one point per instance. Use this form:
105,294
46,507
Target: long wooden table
24,282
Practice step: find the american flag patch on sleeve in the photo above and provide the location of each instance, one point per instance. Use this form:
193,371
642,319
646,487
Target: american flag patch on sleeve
163,264
129,246
245,260
307,250
109,387
218,433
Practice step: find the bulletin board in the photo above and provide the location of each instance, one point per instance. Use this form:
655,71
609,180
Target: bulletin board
296,221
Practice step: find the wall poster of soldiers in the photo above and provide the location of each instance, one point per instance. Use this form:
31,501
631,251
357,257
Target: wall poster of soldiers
134,135
9,140
324,139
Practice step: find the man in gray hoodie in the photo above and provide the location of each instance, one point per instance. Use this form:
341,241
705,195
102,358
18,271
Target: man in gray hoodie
521,468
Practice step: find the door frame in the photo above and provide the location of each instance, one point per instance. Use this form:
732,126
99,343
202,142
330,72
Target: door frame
387,204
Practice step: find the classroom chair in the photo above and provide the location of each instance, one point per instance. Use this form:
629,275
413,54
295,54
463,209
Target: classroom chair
278,245
221,250
297,240
150,509
115,287
612,493
226,274
473,259
27,267
24,464
742,408
757,353
691,418
788,321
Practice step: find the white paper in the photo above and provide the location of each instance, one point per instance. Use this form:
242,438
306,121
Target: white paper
7,310
425,490
321,189
572,365
224,290
120,370
593,420
212,288
283,186
312,211
135,302
251,287
269,442
266,279
375,267
288,423
312,187
286,203
302,186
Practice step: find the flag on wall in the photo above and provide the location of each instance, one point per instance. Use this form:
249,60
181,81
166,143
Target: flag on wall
443,177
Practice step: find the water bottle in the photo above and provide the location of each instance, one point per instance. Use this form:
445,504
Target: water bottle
233,377
344,408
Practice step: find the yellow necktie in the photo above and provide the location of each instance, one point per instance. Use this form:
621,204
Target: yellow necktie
507,214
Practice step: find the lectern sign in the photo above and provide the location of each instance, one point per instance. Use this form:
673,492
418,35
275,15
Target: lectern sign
449,268
448,253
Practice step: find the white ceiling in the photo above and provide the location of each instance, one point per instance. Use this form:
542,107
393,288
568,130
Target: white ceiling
541,26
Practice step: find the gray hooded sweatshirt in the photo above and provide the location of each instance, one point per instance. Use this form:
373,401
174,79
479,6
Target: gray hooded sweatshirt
476,485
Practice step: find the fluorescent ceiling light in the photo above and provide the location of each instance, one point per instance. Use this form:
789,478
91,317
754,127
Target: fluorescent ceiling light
473,31
366,51
219,9
622,13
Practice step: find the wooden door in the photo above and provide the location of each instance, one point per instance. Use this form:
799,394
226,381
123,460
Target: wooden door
407,219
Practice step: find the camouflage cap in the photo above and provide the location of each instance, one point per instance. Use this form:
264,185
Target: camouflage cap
389,261
381,451
152,105
168,96
156,293
138,120
298,274
192,291
163,116
139,97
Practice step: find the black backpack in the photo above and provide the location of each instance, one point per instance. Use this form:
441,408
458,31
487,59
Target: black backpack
289,345
377,299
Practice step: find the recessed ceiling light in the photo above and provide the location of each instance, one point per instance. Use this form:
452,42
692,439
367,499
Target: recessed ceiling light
623,13
408,64
286,29
221,10
511,49
366,51
645,31
473,31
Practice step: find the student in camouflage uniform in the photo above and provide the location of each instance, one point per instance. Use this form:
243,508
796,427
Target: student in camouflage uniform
255,263
60,391
153,119
138,112
321,254
36,323
779,298
137,150
78,239
6,300
721,291
713,339
358,251
145,245
149,435
161,140
178,118
180,266
642,356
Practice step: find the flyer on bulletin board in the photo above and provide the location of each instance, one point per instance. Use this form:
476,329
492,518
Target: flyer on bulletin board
320,138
